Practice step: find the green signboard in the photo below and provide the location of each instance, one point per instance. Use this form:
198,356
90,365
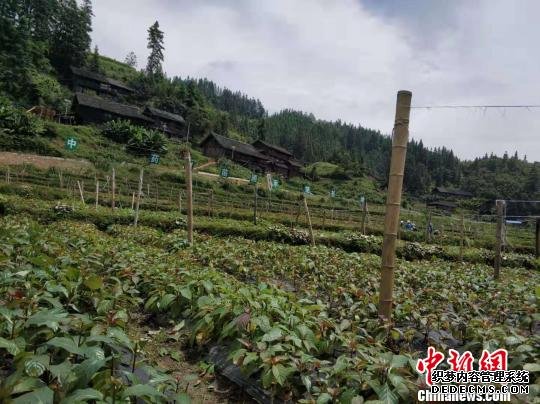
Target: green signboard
193,162
254,178
154,158
362,201
224,172
307,189
333,193
275,184
71,143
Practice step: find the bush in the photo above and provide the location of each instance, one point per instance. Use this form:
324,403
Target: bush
139,141
16,122
48,91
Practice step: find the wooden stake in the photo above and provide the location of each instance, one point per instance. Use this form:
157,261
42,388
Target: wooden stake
461,238
309,221
97,194
139,193
255,197
189,190
81,192
428,222
180,201
364,217
393,202
133,201
537,238
113,189
498,246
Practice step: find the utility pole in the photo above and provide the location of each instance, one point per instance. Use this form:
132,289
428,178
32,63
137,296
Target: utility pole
500,204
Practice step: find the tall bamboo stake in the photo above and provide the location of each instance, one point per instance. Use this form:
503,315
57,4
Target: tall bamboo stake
255,205
97,194
364,217
189,190
393,201
498,247
180,201
113,189
461,237
81,192
309,221
133,201
139,193
537,238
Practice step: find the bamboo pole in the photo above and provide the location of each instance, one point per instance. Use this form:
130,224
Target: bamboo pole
309,221
113,189
393,201
255,205
133,201
139,193
189,191
498,246
81,192
180,201
364,216
428,228
97,194
461,237
537,238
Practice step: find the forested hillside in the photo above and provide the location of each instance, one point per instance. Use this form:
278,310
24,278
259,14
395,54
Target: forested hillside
39,40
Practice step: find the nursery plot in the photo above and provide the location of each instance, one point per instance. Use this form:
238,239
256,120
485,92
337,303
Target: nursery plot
300,320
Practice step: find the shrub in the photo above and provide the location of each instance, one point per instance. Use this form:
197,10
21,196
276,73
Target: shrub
139,141
16,122
48,91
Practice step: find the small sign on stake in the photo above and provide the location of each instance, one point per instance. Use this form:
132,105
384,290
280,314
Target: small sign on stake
275,183
254,178
333,193
224,172
154,158
362,201
307,189
71,143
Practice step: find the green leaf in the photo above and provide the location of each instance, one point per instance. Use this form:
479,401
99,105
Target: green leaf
93,282
141,390
43,395
182,398
532,367
272,335
324,398
26,383
186,292
65,343
10,346
82,395
34,368
49,318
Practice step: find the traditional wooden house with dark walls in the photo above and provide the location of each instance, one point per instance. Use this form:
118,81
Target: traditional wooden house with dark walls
83,80
451,193
217,146
282,159
91,109
167,122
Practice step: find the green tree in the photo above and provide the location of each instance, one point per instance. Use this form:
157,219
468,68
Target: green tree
93,63
131,59
261,129
155,44
71,35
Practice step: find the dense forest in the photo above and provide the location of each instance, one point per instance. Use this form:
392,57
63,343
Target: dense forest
40,39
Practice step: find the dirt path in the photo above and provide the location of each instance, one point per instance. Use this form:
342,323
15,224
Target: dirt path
43,162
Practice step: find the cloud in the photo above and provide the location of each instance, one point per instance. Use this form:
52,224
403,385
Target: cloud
346,59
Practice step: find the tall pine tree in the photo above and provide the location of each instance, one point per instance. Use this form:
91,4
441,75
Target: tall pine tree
155,44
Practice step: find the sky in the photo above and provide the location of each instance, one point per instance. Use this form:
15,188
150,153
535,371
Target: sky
346,59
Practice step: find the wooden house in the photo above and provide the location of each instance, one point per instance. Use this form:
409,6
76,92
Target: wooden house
282,159
91,109
83,80
217,146
451,193
446,206
167,122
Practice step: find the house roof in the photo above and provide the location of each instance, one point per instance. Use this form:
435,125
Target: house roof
124,110
296,163
271,146
237,146
443,204
159,113
99,77
457,192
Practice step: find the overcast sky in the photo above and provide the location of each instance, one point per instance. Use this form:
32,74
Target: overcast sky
346,59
